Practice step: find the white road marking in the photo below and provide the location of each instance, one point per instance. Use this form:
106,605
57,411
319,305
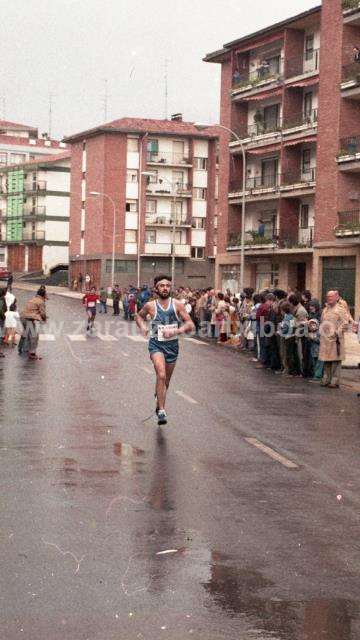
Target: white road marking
76,337
196,341
126,355
106,337
46,337
273,454
186,397
137,338
147,370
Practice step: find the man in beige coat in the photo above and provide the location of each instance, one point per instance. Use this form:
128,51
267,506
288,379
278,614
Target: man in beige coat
334,322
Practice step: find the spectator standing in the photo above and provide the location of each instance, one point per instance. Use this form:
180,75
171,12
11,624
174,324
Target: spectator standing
103,299
80,281
300,315
33,315
10,281
116,295
2,319
334,322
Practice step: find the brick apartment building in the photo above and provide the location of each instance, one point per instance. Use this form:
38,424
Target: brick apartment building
27,223
291,93
110,159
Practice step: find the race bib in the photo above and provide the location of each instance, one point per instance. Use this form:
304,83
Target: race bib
161,328
91,304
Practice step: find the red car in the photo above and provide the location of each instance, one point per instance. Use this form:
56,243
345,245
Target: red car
4,273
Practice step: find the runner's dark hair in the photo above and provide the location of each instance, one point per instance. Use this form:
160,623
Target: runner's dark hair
161,277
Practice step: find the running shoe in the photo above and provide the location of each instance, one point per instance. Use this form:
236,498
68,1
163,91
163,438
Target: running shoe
162,417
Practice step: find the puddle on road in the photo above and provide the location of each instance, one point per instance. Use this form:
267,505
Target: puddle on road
238,592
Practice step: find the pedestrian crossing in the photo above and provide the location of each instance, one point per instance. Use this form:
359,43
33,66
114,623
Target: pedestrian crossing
103,337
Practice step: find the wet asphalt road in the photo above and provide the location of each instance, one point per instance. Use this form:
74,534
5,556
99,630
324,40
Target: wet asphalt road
91,494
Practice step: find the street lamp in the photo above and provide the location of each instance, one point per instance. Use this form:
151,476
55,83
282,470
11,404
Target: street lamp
150,174
105,195
243,206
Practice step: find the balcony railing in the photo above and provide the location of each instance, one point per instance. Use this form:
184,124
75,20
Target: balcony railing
33,235
34,211
306,237
165,219
301,119
253,239
349,223
163,189
307,62
351,72
296,177
39,185
263,73
161,157
349,146
262,127
258,182
164,248
350,4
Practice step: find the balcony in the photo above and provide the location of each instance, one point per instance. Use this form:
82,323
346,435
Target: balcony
273,239
349,155
33,236
166,220
351,10
161,189
261,77
27,187
349,224
302,66
34,211
164,249
255,187
350,82
300,121
303,182
168,158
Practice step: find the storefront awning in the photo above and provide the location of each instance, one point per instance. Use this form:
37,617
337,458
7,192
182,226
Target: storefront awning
262,151
293,143
263,95
307,82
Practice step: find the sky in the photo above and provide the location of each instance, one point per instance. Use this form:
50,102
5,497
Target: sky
74,49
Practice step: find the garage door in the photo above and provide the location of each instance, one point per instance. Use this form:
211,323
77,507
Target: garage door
340,273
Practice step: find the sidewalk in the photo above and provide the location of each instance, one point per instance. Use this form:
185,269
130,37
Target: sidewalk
58,291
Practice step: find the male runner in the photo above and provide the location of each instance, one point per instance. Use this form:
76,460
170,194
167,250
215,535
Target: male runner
89,300
166,315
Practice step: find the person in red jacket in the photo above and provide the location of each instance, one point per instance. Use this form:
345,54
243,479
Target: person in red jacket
89,300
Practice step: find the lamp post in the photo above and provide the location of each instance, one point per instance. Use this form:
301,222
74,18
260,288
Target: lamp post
105,195
150,174
243,206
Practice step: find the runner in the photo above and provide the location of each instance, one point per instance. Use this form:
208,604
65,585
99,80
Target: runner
89,300
166,315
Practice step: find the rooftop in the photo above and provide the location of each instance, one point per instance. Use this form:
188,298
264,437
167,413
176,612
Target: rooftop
142,126
16,126
45,160
216,56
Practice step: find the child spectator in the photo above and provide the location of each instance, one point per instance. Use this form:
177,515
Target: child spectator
12,322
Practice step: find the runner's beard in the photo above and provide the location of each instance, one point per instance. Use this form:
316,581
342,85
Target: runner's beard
164,295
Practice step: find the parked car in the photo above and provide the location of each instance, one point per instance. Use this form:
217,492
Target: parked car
4,273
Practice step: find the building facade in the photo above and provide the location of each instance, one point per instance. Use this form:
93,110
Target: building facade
295,112
34,214
177,195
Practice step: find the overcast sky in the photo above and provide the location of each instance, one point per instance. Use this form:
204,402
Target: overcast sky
69,47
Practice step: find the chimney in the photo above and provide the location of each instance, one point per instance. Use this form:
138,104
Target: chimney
177,117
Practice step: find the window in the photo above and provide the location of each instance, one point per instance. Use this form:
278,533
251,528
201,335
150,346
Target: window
271,117
177,207
130,235
198,223
83,175
82,235
309,47
306,159
197,253
200,164
151,206
269,172
131,205
17,158
153,146
150,237
180,237
2,256
267,275
131,176
304,216
178,179
132,145
153,177
3,158
121,266
200,194
308,100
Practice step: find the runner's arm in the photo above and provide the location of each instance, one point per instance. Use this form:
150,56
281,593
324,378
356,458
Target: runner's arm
140,319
